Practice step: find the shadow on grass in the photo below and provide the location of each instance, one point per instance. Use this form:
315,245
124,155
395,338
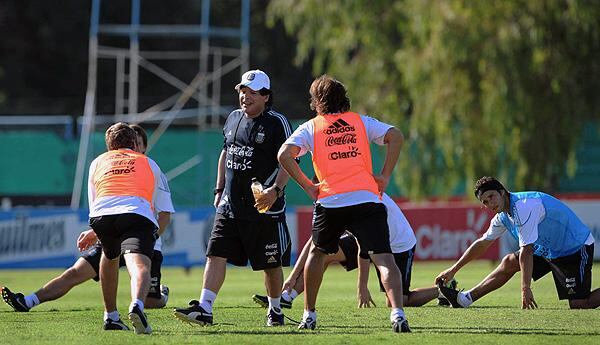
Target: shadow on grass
370,330
500,330
475,307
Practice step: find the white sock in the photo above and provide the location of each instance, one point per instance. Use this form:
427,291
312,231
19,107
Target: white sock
32,300
293,295
311,314
113,315
464,299
397,313
286,296
139,303
274,303
207,299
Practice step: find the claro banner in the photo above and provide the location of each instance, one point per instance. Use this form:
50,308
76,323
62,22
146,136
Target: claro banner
445,230
32,238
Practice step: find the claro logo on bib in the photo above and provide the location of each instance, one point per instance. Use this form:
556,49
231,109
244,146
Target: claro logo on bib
351,153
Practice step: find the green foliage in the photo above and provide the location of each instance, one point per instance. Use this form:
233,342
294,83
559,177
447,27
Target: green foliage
478,87
496,319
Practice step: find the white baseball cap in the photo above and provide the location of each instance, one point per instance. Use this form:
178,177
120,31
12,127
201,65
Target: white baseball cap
255,79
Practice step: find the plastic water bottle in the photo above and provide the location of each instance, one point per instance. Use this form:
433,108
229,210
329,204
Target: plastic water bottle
257,190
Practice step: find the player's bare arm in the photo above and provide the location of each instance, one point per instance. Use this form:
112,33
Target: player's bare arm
526,264
363,294
86,239
287,155
475,250
393,140
220,179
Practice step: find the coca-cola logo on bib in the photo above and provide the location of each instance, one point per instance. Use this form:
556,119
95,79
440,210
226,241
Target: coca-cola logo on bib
345,139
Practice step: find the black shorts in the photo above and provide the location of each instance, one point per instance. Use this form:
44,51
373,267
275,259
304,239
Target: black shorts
404,262
265,242
92,256
367,222
572,274
124,233
349,247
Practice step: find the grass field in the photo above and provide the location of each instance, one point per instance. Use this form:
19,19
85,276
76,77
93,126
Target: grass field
496,319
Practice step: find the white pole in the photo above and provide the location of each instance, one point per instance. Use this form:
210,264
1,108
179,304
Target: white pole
90,106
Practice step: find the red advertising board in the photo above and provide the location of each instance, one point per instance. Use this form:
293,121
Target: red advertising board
444,231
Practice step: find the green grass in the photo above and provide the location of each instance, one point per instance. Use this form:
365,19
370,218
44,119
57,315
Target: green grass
495,319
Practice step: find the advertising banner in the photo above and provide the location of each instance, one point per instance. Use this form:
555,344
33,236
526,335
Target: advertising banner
443,231
31,238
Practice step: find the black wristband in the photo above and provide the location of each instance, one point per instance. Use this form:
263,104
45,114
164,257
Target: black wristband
217,191
279,191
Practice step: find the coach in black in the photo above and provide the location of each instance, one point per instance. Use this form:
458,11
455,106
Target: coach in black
253,135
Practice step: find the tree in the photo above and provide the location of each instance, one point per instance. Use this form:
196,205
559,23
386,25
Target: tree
479,87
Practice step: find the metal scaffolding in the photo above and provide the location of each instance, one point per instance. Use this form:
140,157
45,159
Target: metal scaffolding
204,87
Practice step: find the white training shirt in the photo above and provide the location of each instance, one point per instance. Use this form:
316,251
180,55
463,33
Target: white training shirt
402,236
109,205
162,203
303,137
529,214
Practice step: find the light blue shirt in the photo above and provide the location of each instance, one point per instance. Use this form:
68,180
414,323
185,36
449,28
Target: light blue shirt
545,221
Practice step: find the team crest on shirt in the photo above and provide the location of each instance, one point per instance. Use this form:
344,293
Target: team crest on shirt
260,137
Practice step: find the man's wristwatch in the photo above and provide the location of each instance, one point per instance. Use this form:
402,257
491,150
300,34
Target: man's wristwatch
279,191
217,191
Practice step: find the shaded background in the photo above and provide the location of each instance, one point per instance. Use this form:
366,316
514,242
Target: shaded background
488,88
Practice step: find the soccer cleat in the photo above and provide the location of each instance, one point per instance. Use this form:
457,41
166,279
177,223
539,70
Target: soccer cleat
275,317
400,325
164,290
450,294
110,325
308,323
164,294
263,301
15,300
443,301
194,314
139,321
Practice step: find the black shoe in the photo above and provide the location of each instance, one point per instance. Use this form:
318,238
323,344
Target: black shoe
275,317
450,294
195,314
400,325
139,321
15,300
263,301
307,323
110,325
443,301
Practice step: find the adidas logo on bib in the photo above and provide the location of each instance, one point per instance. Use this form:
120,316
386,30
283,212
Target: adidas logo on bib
339,126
